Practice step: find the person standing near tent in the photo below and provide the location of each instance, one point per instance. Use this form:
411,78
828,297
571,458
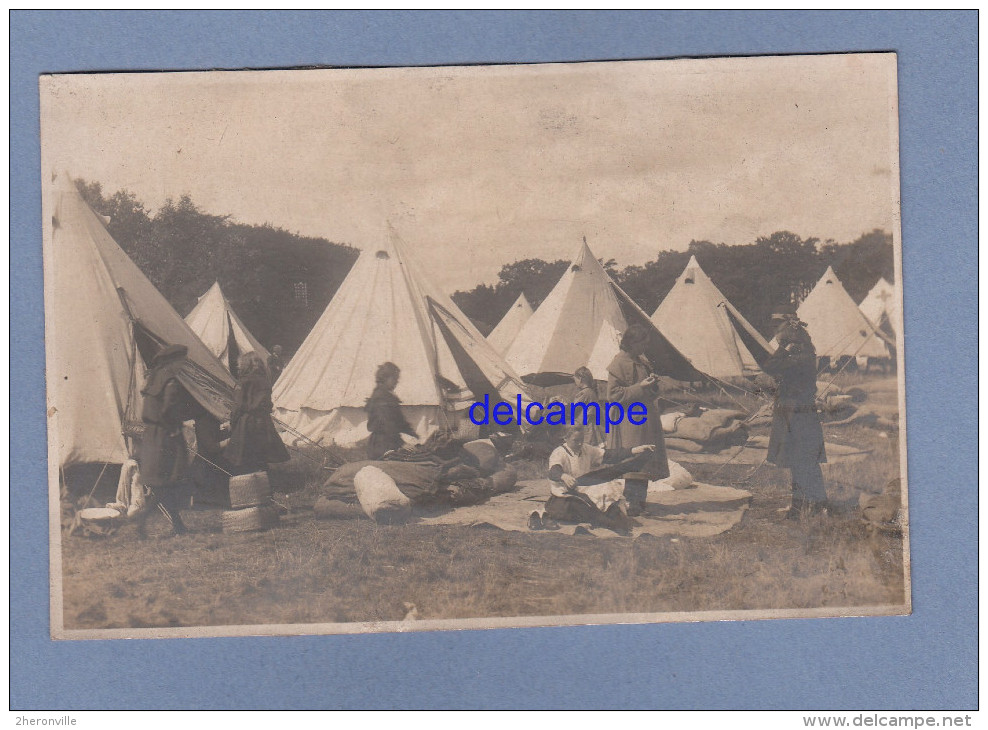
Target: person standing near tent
275,363
385,421
586,392
631,379
796,439
163,455
254,443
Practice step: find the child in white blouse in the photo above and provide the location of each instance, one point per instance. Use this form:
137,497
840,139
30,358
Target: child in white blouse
600,504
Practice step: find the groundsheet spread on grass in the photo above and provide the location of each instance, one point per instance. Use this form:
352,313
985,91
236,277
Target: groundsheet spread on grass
703,510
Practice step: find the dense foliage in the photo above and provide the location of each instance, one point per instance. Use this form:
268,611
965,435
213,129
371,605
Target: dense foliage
278,282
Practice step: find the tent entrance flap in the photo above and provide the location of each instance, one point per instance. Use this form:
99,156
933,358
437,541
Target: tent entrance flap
663,355
213,395
148,345
475,379
756,348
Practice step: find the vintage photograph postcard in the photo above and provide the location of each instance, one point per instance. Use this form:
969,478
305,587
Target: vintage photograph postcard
397,349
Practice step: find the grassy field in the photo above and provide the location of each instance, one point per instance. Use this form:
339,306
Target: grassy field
349,569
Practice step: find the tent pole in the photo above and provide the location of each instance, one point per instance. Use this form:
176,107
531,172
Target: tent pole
131,387
91,491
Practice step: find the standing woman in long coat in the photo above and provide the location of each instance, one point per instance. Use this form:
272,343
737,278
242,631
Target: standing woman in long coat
254,442
796,439
631,379
163,456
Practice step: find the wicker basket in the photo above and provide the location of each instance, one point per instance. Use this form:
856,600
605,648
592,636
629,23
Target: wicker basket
251,519
250,490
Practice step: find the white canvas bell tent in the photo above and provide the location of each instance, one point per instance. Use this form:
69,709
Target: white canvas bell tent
386,311
510,325
579,324
104,322
221,330
881,307
836,325
694,316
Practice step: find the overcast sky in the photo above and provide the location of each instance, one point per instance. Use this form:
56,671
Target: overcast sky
476,167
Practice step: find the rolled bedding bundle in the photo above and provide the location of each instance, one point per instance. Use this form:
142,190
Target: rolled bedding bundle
713,430
380,497
678,478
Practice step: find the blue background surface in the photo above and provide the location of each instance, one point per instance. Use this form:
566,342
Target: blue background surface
924,661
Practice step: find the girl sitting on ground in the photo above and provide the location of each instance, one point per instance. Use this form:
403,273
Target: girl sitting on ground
599,503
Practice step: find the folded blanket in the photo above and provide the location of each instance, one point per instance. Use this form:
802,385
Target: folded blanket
419,477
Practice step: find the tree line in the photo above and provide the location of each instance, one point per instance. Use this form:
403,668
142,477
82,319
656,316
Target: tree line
755,277
280,282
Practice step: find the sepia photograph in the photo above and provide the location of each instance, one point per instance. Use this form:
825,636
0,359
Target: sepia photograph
348,350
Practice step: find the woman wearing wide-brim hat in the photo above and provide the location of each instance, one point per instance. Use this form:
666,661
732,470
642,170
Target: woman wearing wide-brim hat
163,455
796,440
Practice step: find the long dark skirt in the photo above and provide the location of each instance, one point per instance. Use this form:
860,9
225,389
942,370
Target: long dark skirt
163,457
254,443
796,438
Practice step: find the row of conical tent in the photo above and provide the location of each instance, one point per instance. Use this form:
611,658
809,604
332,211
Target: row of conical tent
106,321
696,319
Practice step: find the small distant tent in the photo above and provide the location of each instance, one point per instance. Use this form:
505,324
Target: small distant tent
695,317
881,307
221,330
104,323
580,323
387,311
510,325
836,325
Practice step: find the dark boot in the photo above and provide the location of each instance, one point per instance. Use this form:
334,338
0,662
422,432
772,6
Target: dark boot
635,492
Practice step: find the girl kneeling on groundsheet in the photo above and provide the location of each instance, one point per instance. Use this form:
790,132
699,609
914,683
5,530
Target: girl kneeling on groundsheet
571,499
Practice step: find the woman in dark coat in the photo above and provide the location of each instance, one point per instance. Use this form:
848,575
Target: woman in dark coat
796,439
163,455
254,443
385,421
630,379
